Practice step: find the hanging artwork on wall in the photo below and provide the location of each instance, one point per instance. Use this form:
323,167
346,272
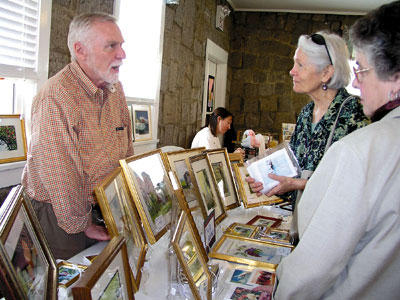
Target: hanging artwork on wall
12,139
141,122
210,93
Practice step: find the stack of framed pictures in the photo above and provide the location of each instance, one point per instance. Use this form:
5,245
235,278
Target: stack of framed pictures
28,268
108,277
151,191
121,218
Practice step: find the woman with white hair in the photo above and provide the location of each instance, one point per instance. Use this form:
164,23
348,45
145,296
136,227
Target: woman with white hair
321,70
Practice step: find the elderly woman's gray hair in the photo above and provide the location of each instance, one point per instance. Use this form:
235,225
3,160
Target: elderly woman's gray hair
318,56
377,35
80,27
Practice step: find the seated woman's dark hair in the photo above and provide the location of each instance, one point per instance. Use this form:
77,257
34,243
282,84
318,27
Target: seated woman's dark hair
212,122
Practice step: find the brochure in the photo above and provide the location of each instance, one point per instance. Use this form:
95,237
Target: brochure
279,160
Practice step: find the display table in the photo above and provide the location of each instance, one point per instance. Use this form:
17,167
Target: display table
155,282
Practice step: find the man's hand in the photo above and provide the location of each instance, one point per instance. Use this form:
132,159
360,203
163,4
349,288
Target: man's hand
97,232
286,184
255,186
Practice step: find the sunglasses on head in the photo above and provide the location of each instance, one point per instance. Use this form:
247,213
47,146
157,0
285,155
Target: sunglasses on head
320,40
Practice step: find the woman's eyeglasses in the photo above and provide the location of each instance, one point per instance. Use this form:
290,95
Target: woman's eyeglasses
358,73
320,40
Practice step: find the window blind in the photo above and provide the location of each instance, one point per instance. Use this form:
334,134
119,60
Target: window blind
19,36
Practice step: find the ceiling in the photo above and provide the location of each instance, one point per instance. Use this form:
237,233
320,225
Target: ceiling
342,7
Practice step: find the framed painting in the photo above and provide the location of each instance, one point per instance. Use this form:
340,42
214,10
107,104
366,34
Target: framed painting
121,218
68,273
243,230
204,179
249,251
26,253
108,276
251,276
249,198
274,235
151,191
12,138
265,222
221,168
141,115
190,256
178,162
210,93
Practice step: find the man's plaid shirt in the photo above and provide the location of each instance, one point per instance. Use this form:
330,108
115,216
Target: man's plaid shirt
79,133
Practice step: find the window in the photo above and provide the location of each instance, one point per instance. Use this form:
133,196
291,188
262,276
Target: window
24,53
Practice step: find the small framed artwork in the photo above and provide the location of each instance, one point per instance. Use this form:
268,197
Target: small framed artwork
68,273
249,198
210,93
12,139
108,276
239,276
221,167
265,222
204,179
190,258
178,162
273,235
142,122
258,292
121,218
249,251
30,262
243,230
151,191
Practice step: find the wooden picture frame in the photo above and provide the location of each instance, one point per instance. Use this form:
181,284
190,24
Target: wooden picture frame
108,276
264,221
204,178
243,230
178,162
249,251
121,218
190,256
221,168
151,191
12,138
142,122
25,252
249,198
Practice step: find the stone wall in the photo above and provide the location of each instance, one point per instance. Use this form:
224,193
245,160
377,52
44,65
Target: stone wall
187,27
62,13
261,56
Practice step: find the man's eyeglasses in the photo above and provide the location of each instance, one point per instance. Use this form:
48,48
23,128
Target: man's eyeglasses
320,40
358,72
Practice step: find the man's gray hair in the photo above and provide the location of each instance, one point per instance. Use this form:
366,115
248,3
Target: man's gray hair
318,56
80,27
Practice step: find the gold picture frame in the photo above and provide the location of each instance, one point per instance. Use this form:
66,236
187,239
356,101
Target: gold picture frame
243,230
249,198
151,190
108,276
274,235
204,178
25,252
121,218
12,139
190,255
68,273
142,122
250,251
178,162
222,170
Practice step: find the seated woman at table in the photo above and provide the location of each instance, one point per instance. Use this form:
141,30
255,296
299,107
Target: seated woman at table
321,71
217,125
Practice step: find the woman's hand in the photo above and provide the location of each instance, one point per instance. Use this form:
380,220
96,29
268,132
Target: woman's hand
286,184
241,151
